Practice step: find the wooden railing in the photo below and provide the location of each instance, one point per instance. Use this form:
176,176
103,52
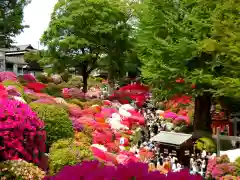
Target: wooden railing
235,119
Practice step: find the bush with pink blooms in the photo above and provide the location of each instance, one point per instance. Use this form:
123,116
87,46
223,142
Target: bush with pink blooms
29,78
94,170
7,76
22,133
219,167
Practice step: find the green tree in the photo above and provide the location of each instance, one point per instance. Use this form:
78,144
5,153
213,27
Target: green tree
82,31
197,40
11,18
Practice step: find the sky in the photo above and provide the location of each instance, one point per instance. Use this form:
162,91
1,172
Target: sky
37,15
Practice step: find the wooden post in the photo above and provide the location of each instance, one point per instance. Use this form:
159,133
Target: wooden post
218,141
235,119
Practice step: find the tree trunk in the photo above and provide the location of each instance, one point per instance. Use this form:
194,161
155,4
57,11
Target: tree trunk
85,83
202,116
110,82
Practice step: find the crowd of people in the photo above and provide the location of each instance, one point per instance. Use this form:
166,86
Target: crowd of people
160,161
197,162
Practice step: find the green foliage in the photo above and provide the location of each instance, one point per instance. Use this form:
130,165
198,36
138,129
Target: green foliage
20,170
94,81
53,90
205,143
80,31
29,98
77,102
85,137
137,136
43,78
11,18
237,161
65,152
58,124
75,82
65,76
197,40
17,85
21,80
94,102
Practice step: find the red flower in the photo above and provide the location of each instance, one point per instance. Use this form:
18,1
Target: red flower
193,86
36,86
180,80
3,92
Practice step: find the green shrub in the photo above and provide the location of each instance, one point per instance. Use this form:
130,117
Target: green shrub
206,144
75,82
17,85
63,85
57,123
65,76
84,137
77,102
21,80
20,170
93,81
29,98
94,102
65,152
53,90
43,78
98,79
237,161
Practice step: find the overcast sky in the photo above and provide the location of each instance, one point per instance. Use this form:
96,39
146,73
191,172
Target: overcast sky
37,16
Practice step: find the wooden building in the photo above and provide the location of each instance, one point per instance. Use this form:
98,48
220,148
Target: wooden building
14,60
179,145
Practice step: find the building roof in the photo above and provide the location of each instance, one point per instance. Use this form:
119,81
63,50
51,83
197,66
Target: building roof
171,138
21,47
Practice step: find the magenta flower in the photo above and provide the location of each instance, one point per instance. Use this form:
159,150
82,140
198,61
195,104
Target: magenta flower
93,170
21,132
170,115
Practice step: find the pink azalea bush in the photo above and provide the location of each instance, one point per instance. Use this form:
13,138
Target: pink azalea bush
7,76
94,170
73,93
21,132
12,90
29,78
219,167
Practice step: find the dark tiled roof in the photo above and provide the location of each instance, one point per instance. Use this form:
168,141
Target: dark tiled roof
171,138
21,47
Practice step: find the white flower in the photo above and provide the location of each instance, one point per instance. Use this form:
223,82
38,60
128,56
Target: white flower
99,146
19,99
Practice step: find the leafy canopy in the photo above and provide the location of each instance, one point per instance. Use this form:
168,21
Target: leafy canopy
81,31
197,40
11,18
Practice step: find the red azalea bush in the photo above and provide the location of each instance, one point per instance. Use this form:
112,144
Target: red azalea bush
21,132
95,170
36,86
29,78
136,92
7,76
3,92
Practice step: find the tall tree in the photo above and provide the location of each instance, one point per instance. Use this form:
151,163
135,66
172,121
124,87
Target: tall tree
82,31
196,40
11,18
